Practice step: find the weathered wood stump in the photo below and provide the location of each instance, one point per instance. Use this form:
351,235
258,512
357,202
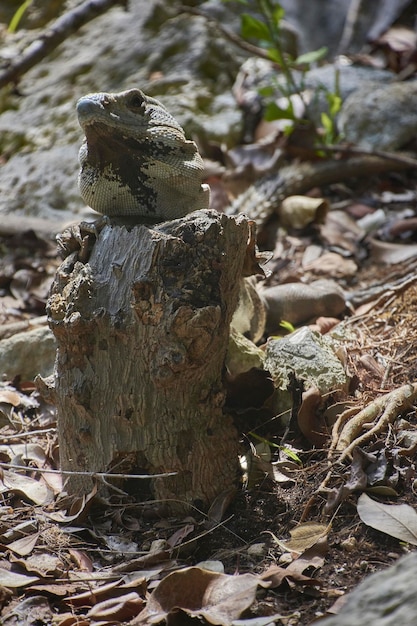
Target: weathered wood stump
142,331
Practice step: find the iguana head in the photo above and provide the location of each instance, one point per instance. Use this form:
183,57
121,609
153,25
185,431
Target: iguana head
136,160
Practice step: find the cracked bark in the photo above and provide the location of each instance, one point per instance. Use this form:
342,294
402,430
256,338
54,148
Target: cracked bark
142,331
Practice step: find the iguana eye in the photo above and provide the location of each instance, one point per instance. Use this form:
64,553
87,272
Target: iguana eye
136,101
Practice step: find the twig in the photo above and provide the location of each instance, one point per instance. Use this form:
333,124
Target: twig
395,282
44,470
29,433
53,36
228,34
404,159
352,19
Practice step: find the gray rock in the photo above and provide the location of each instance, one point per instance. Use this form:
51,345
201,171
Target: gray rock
39,129
380,117
317,83
310,356
42,183
27,354
386,598
322,80
377,113
351,78
329,22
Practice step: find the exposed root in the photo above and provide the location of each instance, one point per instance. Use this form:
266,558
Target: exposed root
391,405
346,438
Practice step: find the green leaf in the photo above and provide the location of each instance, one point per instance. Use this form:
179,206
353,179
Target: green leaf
326,122
287,326
311,57
267,91
290,453
274,112
335,103
278,13
274,55
252,28
288,130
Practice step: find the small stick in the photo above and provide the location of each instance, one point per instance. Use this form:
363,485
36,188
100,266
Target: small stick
50,39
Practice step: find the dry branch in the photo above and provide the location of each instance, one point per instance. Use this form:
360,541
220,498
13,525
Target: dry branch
51,38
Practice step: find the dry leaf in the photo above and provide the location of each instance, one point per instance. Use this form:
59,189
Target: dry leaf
13,580
276,575
30,611
9,397
333,265
219,506
78,508
42,564
284,472
54,590
218,598
178,537
93,595
33,490
24,545
268,620
117,609
27,451
309,419
303,537
299,211
390,253
396,520
73,620
82,560
313,557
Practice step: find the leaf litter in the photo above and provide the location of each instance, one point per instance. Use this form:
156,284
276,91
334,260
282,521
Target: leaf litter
64,551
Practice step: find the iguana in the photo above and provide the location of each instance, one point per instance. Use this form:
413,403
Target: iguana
135,159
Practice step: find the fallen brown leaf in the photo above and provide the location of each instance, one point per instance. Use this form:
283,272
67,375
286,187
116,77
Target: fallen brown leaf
218,598
117,609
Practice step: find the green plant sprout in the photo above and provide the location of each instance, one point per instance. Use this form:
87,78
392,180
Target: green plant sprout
267,32
15,21
290,453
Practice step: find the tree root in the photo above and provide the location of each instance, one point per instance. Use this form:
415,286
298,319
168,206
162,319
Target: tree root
346,430
391,405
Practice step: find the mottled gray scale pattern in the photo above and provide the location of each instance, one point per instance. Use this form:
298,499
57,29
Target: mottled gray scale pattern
135,159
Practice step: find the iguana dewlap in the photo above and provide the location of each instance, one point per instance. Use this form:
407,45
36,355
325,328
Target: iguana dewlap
135,160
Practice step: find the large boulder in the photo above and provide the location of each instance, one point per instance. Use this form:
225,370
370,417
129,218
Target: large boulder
386,598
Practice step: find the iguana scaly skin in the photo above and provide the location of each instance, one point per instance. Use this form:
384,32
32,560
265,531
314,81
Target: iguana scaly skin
135,160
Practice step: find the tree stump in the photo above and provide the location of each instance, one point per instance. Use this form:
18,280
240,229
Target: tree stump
142,331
